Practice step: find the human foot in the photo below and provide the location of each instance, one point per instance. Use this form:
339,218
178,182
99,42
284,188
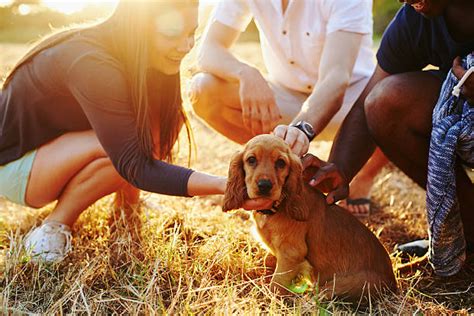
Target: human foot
359,207
358,202
49,242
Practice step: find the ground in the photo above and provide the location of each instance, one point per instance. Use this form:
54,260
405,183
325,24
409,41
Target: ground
193,258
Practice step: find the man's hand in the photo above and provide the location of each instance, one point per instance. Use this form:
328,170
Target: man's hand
326,177
295,138
467,89
259,110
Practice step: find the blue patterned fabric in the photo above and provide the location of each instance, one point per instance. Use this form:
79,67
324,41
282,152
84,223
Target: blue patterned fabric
452,136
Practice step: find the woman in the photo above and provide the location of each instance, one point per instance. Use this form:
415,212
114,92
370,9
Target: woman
93,110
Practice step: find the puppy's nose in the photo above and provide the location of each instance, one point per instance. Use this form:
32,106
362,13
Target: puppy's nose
264,186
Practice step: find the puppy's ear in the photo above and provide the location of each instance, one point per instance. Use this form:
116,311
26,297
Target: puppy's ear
294,204
235,191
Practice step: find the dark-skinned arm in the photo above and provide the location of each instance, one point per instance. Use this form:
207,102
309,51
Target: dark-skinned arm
353,144
351,149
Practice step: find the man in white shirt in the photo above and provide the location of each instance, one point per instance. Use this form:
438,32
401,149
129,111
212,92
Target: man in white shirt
318,55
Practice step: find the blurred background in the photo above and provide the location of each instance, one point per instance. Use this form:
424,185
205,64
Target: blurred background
24,21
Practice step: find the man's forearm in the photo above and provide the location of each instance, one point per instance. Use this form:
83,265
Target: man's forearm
324,102
335,70
222,63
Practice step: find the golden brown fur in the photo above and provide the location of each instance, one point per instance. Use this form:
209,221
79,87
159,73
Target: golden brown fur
307,236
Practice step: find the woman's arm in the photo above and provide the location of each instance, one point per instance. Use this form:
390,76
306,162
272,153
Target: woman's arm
205,184
99,86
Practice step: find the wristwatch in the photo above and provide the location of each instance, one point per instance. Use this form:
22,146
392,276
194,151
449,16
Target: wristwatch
306,128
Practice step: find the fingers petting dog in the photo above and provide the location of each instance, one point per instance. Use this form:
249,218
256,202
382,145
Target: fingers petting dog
323,243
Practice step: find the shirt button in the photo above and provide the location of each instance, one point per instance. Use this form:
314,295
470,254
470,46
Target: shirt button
307,33
284,32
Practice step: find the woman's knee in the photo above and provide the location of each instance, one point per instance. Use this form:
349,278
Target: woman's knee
104,168
101,168
100,174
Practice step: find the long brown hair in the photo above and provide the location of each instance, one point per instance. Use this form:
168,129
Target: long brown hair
130,25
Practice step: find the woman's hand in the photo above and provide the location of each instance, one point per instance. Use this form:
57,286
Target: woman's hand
326,177
467,89
296,139
250,204
257,204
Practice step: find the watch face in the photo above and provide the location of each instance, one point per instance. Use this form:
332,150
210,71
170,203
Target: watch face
308,128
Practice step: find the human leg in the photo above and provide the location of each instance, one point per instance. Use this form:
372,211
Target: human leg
96,180
217,102
399,118
358,202
73,169
399,111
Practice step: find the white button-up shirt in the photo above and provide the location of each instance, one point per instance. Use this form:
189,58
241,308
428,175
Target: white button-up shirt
292,43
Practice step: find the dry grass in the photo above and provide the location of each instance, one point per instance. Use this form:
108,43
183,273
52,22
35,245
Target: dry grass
193,259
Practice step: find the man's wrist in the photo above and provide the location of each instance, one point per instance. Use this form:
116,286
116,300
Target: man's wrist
245,71
306,128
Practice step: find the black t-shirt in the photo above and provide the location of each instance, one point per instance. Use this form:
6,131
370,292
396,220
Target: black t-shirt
78,85
412,41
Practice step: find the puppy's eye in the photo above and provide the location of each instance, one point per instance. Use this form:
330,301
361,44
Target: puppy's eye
252,161
280,163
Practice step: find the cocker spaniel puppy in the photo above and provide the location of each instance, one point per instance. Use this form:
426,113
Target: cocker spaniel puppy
308,237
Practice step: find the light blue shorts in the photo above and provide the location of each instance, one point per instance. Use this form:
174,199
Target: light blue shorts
14,178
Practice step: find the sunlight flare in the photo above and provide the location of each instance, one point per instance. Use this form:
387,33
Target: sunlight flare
74,6
5,3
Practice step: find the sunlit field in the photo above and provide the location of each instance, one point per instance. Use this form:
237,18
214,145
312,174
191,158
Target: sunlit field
190,258
65,7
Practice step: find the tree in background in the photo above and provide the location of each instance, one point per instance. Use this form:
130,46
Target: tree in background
28,20
384,11
16,26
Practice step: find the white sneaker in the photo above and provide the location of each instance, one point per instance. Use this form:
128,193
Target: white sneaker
49,242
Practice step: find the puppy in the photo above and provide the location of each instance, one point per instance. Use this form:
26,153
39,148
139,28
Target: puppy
307,236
